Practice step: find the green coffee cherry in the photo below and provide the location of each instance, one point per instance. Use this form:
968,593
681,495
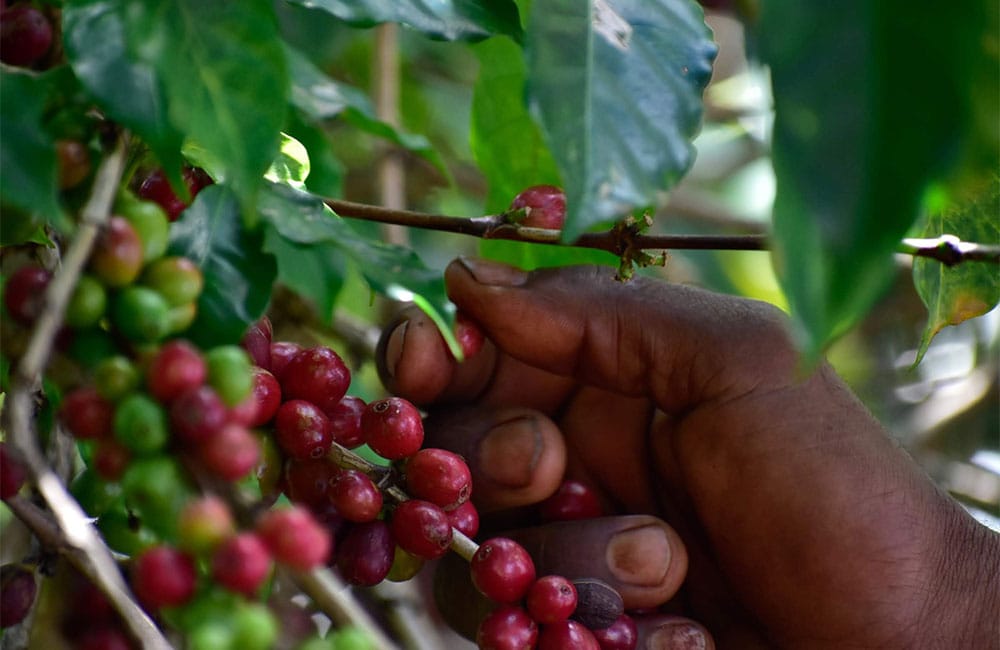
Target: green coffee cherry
140,424
149,221
87,304
230,373
115,377
141,314
177,279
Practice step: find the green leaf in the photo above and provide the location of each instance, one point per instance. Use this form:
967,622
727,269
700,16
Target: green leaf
292,164
238,273
321,98
616,86
957,293
326,172
397,272
95,37
872,101
506,141
27,152
443,19
314,271
223,69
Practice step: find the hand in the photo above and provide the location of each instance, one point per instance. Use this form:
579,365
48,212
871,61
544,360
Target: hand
772,508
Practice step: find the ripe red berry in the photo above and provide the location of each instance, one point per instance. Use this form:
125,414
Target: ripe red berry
197,414
317,375
551,599
267,396
257,342
281,353
73,163
245,412
421,528
241,563
308,481
355,495
24,293
465,518
573,500
438,476
502,570
295,538
86,414
163,576
196,179
111,459
507,628
365,554
544,206
117,256
302,430
104,637
17,594
176,368
620,635
345,421
232,452
393,428
25,35
566,634
156,187
469,335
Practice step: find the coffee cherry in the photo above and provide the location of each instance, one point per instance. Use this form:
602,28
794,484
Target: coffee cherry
350,638
573,500
156,489
438,476
17,594
24,293
345,421
308,481
502,570
620,635
196,179
115,377
566,634
229,373
232,453
12,473
551,599
177,279
282,353
149,221
125,533
157,188
180,319
355,495
365,554
87,304
104,637
141,314
111,458
405,565
140,424
176,368
257,342
317,375
117,256
245,412
302,430
469,335
204,524
197,414
86,414
255,627
295,538
507,628
72,162
25,35
393,428
163,576
465,518
421,528
266,395
241,564
544,207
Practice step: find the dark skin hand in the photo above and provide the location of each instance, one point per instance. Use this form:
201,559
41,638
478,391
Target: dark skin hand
758,506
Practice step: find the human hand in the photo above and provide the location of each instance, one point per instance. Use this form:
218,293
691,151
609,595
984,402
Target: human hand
769,507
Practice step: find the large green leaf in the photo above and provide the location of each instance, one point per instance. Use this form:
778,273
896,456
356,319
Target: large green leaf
314,271
320,98
304,220
127,88
444,19
957,293
27,152
223,69
616,85
872,100
238,273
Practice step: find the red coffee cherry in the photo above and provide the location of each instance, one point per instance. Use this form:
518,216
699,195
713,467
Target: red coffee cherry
281,354
507,628
421,528
17,594
551,599
573,500
302,430
345,421
232,452
198,414
267,395
241,564
25,35
104,637
620,635
365,554
24,293
544,207
156,188
295,538
469,335
86,414
393,428
317,375
117,256
163,576
308,481
176,368
111,459
438,476
73,163
566,634
12,473
502,570
465,518
257,342
355,495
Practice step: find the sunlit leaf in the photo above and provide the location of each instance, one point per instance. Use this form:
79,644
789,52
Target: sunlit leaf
292,164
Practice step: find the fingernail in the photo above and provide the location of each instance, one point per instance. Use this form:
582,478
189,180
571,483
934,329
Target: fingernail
677,636
509,452
394,348
493,274
639,556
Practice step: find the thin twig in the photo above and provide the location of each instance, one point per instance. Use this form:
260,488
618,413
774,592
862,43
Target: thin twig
950,250
76,529
333,597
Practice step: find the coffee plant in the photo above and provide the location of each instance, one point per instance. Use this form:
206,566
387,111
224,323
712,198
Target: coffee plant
195,453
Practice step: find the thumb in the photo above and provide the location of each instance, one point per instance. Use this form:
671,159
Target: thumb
674,344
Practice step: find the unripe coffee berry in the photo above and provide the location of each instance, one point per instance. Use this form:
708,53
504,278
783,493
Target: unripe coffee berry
177,279
232,453
141,424
229,373
204,523
141,314
87,304
118,253
392,427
